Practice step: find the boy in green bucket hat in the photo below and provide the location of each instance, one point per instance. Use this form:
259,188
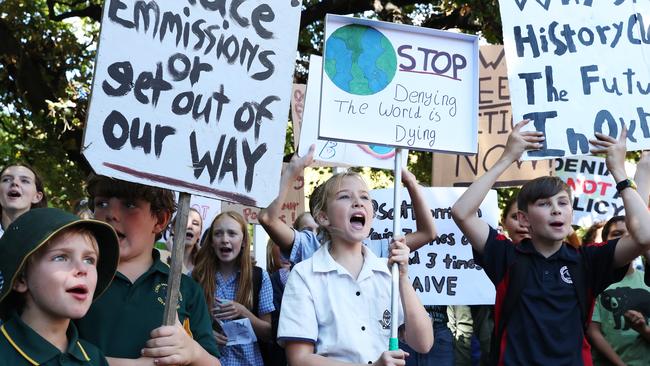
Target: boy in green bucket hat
52,266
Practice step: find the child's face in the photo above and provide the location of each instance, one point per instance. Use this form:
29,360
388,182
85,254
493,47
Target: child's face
135,224
227,237
193,230
617,230
549,218
516,232
349,211
60,280
18,189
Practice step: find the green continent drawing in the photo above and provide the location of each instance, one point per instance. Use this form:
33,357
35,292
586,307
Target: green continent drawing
359,59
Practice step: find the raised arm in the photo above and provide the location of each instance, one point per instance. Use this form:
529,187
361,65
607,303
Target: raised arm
425,230
636,210
269,217
642,179
465,209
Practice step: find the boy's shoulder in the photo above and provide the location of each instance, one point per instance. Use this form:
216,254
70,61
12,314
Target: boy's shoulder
20,344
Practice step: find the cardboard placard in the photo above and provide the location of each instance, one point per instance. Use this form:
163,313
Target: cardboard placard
594,189
396,85
193,96
579,67
443,271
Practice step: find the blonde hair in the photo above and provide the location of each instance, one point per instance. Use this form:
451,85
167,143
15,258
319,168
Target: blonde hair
207,265
327,192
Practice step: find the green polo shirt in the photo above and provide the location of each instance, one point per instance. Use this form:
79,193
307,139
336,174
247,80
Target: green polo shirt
21,345
120,321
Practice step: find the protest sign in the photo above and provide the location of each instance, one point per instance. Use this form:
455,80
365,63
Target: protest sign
292,207
494,127
396,85
297,108
594,189
199,102
578,67
335,153
443,271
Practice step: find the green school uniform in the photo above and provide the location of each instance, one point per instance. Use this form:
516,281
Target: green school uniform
21,345
120,321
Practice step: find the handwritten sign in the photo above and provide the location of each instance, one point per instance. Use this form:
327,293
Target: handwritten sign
193,96
579,67
292,207
594,189
396,85
495,124
443,271
335,153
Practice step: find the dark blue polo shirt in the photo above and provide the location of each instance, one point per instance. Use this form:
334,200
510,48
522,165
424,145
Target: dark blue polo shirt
545,327
120,321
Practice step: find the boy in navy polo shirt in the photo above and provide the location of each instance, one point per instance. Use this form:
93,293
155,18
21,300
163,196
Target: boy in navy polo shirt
546,323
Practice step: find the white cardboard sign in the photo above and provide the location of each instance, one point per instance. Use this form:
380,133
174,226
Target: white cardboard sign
193,96
396,85
335,153
443,272
579,67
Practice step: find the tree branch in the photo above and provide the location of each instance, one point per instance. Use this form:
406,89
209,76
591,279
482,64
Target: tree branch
317,11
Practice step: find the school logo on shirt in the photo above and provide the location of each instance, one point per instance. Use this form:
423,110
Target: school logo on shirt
385,322
565,275
161,290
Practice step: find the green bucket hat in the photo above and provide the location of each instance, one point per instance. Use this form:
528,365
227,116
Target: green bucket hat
34,228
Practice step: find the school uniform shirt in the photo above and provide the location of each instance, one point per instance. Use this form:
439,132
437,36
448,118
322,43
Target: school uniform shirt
346,319
306,243
21,345
120,321
629,294
545,327
243,354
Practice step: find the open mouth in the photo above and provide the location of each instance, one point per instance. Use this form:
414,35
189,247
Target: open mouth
14,194
78,290
225,250
189,235
557,224
358,221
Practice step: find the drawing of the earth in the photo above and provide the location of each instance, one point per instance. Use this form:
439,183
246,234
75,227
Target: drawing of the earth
359,59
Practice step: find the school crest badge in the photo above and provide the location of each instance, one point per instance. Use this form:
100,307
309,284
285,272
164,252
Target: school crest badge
386,319
565,275
161,294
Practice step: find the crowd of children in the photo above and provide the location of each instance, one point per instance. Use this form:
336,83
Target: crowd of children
92,291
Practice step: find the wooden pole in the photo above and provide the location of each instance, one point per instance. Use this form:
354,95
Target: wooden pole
176,267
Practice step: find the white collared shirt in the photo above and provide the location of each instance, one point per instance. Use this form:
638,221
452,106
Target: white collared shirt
345,319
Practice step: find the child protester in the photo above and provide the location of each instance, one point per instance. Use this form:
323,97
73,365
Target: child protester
52,266
21,189
299,245
546,287
234,289
126,322
336,305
